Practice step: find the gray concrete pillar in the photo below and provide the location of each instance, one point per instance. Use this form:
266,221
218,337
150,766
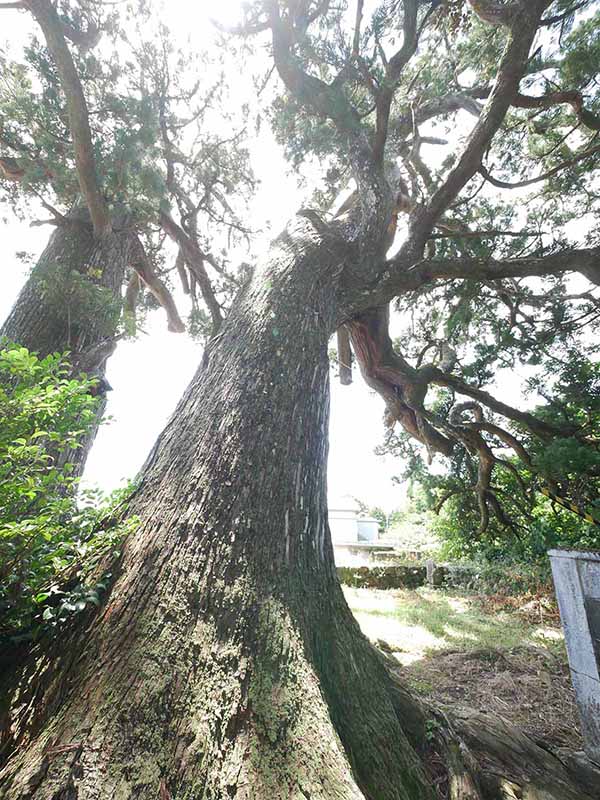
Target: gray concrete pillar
577,581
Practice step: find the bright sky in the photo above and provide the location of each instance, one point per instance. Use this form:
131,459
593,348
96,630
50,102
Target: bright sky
149,375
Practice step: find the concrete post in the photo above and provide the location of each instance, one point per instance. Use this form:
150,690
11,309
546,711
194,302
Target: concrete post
430,566
577,581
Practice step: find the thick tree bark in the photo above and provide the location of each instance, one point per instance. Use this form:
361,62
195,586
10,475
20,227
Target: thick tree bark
225,662
72,302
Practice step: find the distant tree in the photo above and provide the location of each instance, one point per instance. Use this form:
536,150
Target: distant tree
103,144
225,662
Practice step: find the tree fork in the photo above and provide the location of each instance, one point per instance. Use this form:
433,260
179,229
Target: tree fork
225,662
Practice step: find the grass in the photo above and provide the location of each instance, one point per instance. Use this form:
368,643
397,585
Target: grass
456,648
416,623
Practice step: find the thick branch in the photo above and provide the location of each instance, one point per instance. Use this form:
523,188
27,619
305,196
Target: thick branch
330,102
437,107
572,98
48,20
393,378
195,261
392,73
181,271
531,422
400,276
560,17
84,40
480,234
148,276
524,25
326,100
131,294
539,178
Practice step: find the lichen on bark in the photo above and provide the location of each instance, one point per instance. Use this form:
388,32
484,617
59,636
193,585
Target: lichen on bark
225,662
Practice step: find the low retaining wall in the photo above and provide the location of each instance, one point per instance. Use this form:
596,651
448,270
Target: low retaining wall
404,576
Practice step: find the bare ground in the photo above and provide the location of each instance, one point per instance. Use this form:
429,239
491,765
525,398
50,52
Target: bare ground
460,650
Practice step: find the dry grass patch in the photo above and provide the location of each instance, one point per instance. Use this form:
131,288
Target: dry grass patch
459,649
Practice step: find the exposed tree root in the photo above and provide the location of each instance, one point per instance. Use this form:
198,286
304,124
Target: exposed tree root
505,763
485,757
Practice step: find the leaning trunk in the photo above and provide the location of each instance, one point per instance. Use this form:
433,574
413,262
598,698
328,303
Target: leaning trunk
225,662
72,302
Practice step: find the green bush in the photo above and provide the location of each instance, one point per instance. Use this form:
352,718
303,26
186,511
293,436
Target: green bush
504,576
547,526
50,544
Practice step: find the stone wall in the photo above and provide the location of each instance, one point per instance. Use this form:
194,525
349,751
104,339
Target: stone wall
409,575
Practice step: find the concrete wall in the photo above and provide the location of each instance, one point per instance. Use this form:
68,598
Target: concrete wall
343,526
577,581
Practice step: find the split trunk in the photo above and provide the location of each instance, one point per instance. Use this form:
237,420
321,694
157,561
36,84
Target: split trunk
225,662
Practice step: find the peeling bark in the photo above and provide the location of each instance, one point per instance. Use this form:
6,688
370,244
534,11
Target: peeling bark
225,662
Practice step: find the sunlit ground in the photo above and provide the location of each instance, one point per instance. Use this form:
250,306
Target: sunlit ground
453,651
415,623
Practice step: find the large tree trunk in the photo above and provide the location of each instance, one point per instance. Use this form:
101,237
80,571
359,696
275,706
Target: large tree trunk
72,302
225,663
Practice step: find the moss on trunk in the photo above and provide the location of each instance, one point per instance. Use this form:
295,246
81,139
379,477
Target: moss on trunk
225,662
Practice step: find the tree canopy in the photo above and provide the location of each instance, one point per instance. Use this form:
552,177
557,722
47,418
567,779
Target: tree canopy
462,135
487,133
224,661
94,111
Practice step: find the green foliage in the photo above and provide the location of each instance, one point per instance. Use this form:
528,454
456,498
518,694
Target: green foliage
50,546
546,526
502,576
81,297
530,524
166,136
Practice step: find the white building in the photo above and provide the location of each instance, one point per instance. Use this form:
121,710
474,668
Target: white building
347,527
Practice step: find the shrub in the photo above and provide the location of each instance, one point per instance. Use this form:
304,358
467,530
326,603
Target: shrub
49,544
